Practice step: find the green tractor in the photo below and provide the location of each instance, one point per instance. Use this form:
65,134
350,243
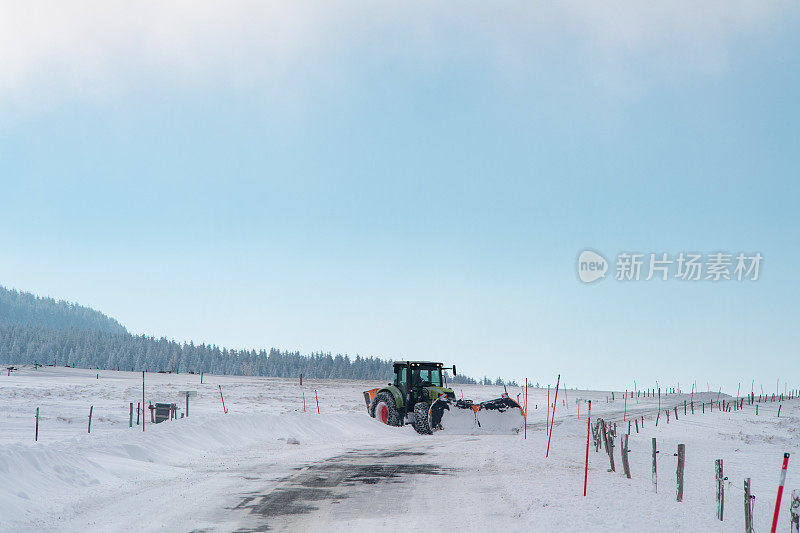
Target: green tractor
419,396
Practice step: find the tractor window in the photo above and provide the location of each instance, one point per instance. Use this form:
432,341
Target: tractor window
426,377
402,377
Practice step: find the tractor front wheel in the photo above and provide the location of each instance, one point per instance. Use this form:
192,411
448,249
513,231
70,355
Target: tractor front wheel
385,410
421,423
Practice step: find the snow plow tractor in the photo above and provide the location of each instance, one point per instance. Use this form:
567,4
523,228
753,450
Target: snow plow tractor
419,396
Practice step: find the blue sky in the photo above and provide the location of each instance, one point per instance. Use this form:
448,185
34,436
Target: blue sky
412,182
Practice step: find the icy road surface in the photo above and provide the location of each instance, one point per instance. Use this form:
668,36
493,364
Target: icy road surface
269,466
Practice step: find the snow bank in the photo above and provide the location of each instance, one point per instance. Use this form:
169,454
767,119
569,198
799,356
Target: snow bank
31,473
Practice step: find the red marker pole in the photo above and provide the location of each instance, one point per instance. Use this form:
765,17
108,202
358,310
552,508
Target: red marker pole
547,423
317,397
555,401
588,430
143,401
525,434
223,400
625,410
780,493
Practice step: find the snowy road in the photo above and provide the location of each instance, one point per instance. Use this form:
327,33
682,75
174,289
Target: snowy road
381,483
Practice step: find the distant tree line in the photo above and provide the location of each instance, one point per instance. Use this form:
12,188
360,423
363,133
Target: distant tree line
46,331
29,344
20,344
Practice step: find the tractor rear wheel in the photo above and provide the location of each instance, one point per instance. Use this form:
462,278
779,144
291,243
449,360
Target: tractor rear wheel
421,423
385,410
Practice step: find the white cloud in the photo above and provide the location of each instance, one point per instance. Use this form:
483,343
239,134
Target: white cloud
81,45
49,49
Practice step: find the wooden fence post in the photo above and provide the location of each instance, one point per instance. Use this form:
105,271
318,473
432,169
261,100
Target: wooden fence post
625,466
681,461
138,408
720,488
636,421
748,507
91,407
609,445
779,410
655,467
794,510
130,418
598,442
36,434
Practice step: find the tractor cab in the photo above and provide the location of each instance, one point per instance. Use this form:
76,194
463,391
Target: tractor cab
413,375
419,381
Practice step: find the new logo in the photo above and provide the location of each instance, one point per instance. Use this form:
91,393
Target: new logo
591,266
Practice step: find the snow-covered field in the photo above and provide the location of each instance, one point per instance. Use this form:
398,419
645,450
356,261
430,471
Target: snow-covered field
266,464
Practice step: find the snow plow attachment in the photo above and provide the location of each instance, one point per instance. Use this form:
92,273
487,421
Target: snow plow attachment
499,416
